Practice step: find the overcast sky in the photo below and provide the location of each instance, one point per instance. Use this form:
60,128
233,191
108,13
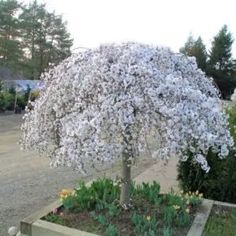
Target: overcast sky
160,22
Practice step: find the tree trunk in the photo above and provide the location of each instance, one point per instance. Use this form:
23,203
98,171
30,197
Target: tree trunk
125,182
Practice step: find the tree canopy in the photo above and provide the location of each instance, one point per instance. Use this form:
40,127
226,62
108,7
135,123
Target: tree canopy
98,103
221,65
218,63
197,49
31,38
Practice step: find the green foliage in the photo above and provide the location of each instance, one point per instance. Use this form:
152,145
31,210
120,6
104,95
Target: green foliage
145,225
174,199
27,93
221,55
149,191
151,214
220,183
71,203
55,218
221,65
169,215
112,230
101,193
12,91
113,210
2,101
183,218
221,224
45,37
197,49
178,208
102,220
167,231
9,99
194,200
10,50
31,38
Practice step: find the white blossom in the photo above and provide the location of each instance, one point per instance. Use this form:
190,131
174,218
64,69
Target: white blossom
101,102
233,97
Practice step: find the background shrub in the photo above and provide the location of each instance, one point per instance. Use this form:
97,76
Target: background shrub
220,182
7,99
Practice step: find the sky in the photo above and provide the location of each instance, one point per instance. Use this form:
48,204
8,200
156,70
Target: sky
158,22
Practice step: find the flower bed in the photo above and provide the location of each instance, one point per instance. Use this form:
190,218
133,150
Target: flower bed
96,209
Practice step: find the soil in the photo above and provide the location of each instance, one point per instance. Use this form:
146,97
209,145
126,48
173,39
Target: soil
84,222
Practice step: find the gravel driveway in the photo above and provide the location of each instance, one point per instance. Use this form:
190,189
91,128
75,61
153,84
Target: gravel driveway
26,181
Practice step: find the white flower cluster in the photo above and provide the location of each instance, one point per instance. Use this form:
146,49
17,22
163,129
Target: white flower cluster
233,97
103,102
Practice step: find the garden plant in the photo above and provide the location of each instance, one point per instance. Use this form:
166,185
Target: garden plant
96,209
220,183
117,101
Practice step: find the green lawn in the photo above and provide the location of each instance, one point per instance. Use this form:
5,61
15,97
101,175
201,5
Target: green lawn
222,222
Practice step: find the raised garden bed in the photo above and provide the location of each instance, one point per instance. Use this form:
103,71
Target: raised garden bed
151,213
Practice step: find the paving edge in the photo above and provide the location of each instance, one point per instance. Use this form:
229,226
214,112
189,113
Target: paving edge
201,218
33,226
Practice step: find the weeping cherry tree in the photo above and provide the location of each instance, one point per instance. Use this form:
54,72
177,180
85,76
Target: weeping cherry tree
105,104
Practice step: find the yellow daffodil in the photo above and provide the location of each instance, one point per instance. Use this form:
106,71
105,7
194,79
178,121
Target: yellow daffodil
66,193
176,207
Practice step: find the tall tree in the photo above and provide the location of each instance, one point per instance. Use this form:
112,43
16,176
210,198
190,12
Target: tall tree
197,49
45,38
221,52
31,20
10,49
221,65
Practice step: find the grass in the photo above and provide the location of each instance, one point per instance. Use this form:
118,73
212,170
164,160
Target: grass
96,209
222,222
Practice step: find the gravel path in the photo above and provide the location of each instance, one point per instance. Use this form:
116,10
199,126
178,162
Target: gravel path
26,181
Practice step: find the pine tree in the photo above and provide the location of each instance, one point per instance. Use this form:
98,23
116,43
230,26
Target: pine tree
10,49
45,38
220,54
197,49
221,65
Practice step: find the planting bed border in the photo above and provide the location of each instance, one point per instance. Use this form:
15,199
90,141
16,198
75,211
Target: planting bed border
34,226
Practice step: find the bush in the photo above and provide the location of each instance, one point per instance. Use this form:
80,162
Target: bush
9,99
220,182
2,103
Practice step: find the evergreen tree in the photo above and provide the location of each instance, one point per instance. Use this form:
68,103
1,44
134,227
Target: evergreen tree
197,49
45,38
31,22
10,49
221,65
220,54
31,38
